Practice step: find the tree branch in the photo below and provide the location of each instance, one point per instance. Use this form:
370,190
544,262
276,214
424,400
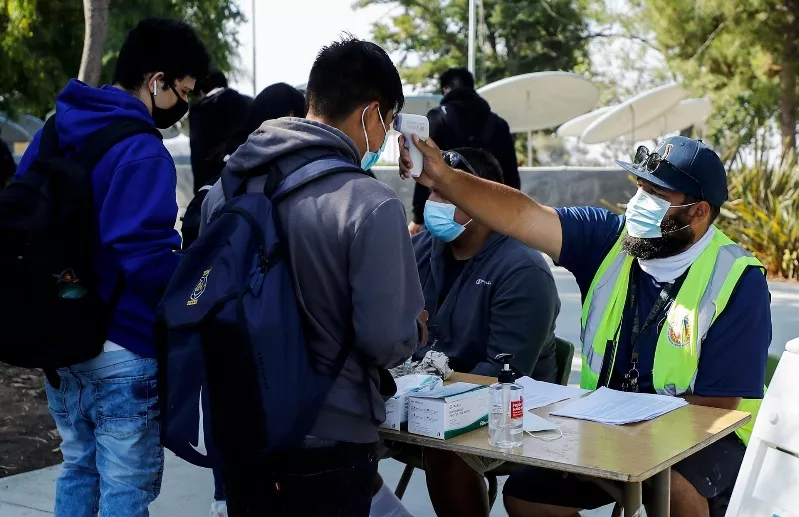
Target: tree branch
708,41
632,37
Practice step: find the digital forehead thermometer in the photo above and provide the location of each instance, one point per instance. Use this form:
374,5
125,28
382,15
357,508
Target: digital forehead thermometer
410,125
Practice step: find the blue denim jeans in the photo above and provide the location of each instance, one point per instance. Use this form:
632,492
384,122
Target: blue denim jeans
106,411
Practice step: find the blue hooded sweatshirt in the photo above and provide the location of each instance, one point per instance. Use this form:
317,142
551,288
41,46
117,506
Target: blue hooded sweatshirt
134,202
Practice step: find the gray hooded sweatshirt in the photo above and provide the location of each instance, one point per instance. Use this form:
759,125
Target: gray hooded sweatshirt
353,266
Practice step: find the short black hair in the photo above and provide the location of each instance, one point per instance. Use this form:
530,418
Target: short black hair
484,164
457,78
349,73
161,45
214,79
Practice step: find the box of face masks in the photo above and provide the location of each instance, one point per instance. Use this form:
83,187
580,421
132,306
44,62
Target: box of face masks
397,406
448,411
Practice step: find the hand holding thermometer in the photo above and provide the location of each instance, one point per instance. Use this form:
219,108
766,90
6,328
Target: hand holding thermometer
410,125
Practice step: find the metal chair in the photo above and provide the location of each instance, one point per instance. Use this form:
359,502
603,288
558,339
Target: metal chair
412,457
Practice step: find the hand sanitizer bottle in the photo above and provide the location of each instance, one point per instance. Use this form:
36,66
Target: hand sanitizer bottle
506,421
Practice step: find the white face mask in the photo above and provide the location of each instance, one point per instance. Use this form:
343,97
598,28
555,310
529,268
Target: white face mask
533,423
645,213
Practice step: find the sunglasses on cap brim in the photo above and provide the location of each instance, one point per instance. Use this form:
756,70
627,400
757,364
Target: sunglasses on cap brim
644,160
457,161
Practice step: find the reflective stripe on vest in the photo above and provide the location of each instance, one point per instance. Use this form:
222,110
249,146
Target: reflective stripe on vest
703,296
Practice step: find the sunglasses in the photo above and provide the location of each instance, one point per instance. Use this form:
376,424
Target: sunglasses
457,161
644,160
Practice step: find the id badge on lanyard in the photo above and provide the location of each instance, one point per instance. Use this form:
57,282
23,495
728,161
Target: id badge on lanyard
659,309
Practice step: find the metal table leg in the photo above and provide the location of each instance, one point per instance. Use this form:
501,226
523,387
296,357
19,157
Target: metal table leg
404,480
633,500
661,495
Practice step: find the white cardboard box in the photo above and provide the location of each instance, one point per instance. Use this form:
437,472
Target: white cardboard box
397,406
448,411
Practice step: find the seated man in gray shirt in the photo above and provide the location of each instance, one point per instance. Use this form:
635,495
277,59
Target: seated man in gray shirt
486,294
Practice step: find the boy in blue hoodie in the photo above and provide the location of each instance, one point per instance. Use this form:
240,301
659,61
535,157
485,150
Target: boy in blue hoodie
106,409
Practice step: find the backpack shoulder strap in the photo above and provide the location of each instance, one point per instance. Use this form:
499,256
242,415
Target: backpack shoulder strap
307,173
97,144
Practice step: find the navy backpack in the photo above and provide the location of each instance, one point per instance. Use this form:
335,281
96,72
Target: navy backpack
237,383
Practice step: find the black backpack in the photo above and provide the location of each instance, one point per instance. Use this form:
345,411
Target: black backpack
51,311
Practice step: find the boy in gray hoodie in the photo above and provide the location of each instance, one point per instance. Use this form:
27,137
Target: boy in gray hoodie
355,277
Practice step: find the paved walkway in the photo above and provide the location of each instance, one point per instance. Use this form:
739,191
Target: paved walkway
187,491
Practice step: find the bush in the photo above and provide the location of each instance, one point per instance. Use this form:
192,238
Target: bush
762,214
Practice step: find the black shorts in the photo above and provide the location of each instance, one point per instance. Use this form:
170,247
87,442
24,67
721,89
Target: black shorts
712,471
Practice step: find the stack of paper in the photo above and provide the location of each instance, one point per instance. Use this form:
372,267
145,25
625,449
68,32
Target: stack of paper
539,394
608,406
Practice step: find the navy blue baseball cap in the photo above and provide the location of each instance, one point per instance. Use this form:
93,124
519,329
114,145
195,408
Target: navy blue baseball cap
683,165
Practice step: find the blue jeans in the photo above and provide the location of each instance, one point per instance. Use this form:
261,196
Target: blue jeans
106,411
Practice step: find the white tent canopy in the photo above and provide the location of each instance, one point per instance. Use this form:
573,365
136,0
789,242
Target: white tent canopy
632,113
12,132
540,100
576,126
30,123
420,104
687,113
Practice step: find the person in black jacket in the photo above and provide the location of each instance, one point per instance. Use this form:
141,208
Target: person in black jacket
465,119
275,101
212,121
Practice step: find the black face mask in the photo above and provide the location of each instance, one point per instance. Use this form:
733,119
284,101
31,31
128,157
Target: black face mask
166,118
677,236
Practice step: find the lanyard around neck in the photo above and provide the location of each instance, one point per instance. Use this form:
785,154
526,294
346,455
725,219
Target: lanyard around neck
663,303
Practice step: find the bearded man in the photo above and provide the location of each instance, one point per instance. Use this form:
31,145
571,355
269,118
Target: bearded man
670,305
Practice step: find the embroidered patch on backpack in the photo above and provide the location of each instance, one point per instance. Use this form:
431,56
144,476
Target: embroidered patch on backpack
200,288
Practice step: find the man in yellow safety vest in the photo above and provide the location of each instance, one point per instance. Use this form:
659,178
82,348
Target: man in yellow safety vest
670,305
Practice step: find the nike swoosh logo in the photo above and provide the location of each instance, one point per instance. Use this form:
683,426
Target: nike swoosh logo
200,447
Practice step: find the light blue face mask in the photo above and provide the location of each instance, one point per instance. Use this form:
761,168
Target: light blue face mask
439,219
370,158
645,214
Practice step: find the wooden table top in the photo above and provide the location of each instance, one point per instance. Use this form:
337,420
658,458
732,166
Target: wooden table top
631,453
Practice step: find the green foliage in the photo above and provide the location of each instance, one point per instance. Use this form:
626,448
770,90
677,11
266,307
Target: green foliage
729,50
518,36
41,42
761,213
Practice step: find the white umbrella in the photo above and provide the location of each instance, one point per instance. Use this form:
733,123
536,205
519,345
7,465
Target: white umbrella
540,100
687,113
30,123
577,125
12,132
420,104
632,113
